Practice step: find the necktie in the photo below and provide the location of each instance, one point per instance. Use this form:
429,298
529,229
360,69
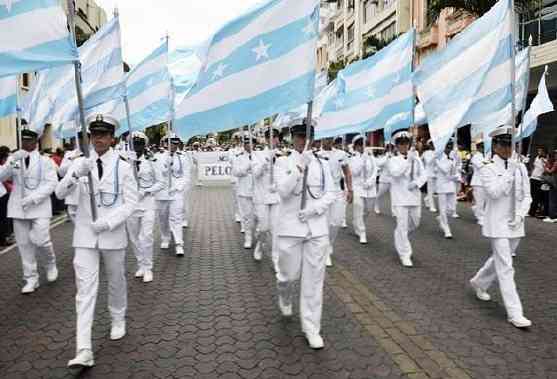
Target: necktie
27,159
100,168
137,164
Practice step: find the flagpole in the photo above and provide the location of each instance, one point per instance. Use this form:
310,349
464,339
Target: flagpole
513,103
308,145
272,146
524,101
130,139
412,115
84,141
18,134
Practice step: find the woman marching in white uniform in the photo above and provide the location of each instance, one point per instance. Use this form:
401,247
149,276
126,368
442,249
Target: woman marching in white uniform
142,223
115,193
505,181
408,175
29,206
364,177
447,178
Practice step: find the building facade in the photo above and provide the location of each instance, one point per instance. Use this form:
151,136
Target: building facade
90,17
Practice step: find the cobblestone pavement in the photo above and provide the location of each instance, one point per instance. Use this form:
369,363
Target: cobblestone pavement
214,314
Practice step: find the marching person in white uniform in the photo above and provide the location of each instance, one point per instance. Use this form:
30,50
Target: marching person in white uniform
384,184
505,181
477,162
266,198
72,199
243,170
232,154
188,168
29,206
408,175
447,177
142,223
115,193
428,158
338,164
303,232
364,177
170,200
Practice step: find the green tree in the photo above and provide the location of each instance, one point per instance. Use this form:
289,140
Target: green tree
334,69
478,7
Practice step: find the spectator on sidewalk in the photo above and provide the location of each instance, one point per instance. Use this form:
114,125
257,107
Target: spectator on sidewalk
539,197
551,172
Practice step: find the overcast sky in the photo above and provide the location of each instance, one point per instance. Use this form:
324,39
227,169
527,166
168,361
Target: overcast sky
145,22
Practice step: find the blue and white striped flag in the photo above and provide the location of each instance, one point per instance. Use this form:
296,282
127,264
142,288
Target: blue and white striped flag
8,96
184,65
471,77
540,105
33,36
374,93
257,65
53,98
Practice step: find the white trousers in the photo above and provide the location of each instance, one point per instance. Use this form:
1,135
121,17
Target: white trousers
361,208
407,220
235,201
267,220
382,190
171,218
336,216
447,207
247,213
304,259
140,231
480,201
500,266
86,265
429,199
32,238
187,204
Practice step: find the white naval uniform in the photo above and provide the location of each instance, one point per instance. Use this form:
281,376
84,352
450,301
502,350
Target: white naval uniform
243,170
189,166
428,158
142,223
384,180
406,203
116,199
72,199
303,245
447,177
337,159
497,179
266,200
232,155
32,225
364,183
170,199
477,163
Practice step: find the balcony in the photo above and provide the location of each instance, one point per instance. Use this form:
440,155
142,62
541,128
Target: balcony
543,31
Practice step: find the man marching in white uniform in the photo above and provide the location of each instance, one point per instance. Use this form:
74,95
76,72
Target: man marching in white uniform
429,164
504,181
71,200
115,193
29,206
338,164
232,154
447,178
188,168
142,223
243,170
170,200
384,185
477,163
364,176
266,198
303,234
408,175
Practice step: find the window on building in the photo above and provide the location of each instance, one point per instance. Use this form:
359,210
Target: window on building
370,10
25,80
542,27
350,5
340,37
340,4
389,32
350,37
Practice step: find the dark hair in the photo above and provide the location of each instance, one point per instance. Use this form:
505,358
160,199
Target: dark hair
4,152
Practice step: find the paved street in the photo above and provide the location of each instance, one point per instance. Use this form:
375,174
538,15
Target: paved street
213,313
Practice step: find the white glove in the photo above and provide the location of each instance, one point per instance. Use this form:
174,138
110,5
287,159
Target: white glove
100,226
307,157
412,186
26,202
84,167
19,155
305,214
517,222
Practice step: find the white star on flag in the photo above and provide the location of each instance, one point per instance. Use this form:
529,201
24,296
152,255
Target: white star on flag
219,72
8,4
261,50
309,29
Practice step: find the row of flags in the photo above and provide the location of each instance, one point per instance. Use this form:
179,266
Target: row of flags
263,64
